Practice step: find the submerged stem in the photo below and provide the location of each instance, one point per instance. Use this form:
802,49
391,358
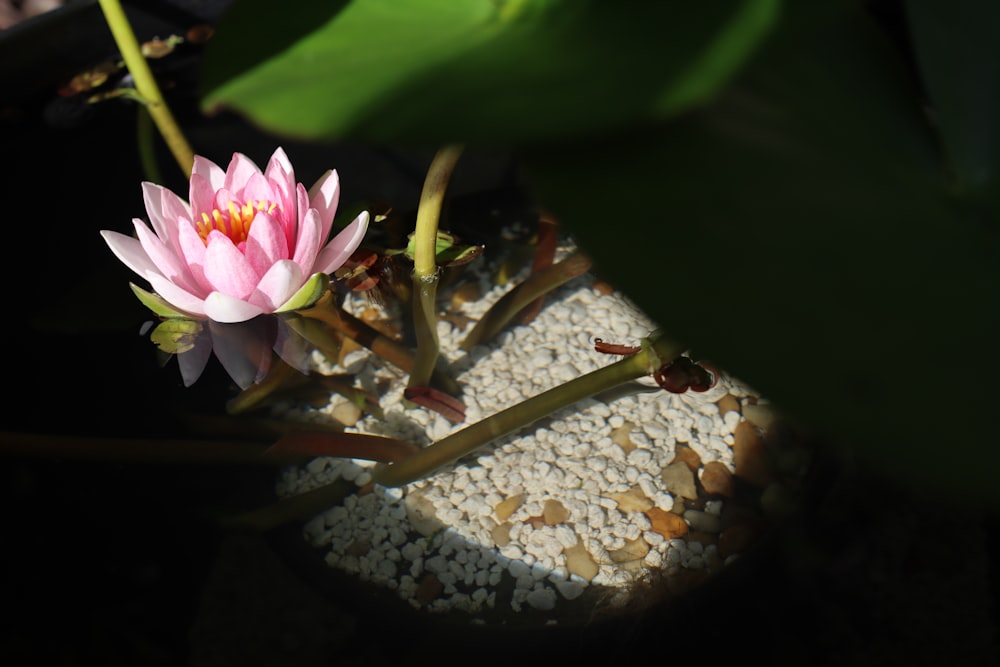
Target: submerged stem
145,84
457,445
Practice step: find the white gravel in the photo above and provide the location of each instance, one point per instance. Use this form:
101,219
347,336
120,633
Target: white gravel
559,479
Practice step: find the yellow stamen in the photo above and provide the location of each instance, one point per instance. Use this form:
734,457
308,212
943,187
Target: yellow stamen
235,221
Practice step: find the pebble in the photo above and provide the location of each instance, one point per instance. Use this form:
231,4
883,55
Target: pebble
590,496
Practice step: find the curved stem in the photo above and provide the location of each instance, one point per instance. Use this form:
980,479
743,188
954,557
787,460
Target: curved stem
522,296
429,211
425,268
146,84
457,445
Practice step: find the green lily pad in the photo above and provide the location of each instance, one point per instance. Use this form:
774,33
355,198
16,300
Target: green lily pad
475,69
803,233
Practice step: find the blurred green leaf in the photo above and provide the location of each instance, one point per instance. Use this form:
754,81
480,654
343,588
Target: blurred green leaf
802,233
477,69
956,48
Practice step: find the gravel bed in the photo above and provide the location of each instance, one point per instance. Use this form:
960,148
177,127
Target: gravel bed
598,496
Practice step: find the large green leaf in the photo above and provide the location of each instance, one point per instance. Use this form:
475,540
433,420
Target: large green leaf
955,44
802,232
476,69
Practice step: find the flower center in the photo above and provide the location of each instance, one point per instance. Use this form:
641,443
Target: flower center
235,221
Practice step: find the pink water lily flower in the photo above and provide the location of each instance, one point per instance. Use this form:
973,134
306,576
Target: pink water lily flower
248,243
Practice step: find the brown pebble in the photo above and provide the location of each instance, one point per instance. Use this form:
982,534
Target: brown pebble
501,534
688,455
428,589
678,479
633,550
717,480
728,403
633,500
622,436
554,513
750,455
580,562
668,524
508,506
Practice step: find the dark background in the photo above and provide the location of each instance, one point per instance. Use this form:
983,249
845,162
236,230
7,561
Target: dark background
119,562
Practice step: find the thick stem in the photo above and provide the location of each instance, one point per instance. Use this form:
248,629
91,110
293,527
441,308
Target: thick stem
457,445
146,84
514,301
429,211
425,268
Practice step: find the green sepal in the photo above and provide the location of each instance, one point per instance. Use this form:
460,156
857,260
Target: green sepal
448,250
176,335
308,294
157,304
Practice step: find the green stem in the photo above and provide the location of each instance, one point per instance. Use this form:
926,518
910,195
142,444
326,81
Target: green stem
453,447
522,296
429,211
146,84
425,268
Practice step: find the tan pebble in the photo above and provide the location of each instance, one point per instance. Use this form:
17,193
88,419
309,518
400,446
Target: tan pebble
688,456
346,413
421,514
728,403
750,455
633,500
678,479
428,589
622,436
465,293
668,524
736,538
633,550
602,287
554,513
717,480
759,415
360,546
501,534
508,506
580,562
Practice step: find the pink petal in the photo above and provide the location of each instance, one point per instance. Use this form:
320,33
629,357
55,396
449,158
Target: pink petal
224,308
336,252
202,195
307,243
163,256
130,252
324,196
238,173
259,188
176,296
265,244
192,249
226,269
280,173
164,209
209,171
278,285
